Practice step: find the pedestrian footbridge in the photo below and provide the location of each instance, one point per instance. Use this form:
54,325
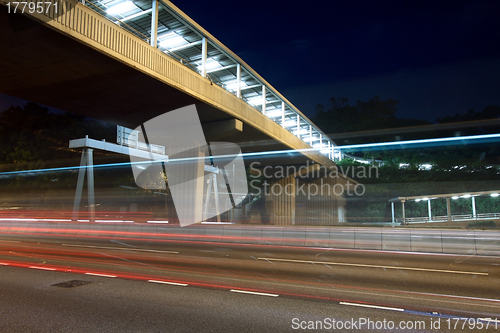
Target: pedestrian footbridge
128,61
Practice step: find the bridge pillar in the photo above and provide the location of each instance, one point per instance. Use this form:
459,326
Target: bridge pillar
307,197
280,202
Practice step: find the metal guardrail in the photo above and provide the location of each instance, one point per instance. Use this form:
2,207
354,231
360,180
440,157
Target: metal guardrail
444,218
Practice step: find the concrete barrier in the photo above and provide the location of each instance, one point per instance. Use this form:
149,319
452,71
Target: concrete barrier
396,240
273,236
294,236
232,235
464,242
426,241
342,238
318,237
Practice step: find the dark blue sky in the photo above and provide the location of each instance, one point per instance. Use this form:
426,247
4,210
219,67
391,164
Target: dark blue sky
435,57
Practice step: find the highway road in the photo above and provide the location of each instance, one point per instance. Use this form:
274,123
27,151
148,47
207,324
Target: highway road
144,285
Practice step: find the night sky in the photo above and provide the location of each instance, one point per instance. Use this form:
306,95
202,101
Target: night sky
436,57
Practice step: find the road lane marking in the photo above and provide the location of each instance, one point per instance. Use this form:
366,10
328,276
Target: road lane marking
372,306
253,293
120,248
122,243
454,296
43,268
114,221
166,282
103,275
374,266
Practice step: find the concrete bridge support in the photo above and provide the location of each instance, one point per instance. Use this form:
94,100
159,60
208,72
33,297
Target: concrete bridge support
308,198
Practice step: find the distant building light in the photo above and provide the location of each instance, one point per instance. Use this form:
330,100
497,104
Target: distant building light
425,166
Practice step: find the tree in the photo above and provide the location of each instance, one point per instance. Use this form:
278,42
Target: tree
490,112
31,135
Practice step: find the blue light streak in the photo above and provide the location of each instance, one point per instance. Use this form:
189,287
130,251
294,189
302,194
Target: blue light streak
412,142
448,140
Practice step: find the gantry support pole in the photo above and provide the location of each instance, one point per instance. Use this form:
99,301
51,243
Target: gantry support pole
79,185
448,209
392,209
429,208
90,184
474,207
403,208
86,164
212,184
